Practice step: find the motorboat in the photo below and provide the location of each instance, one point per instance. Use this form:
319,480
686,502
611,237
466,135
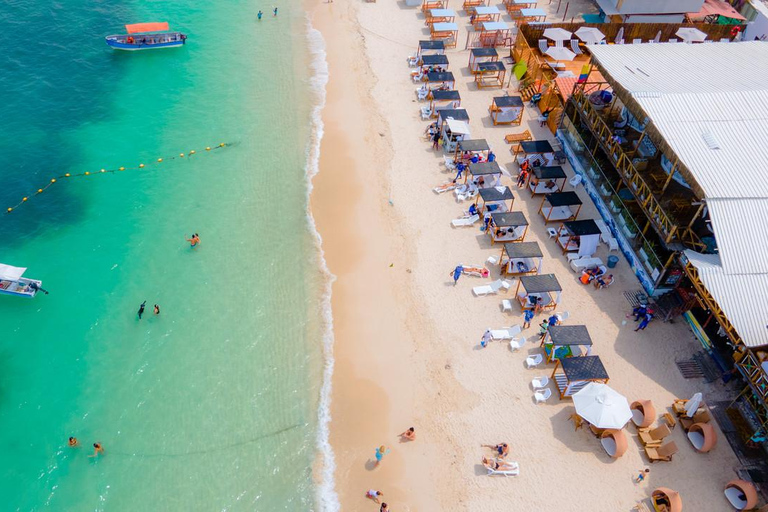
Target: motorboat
147,36
12,282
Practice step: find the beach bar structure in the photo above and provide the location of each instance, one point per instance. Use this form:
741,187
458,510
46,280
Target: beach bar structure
439,80
490,75
430,48
439,16
521,259
483,14
508,227
428,5
497,199
484,174
563,341
573,373
532,151
442,99
446,32
507,110
494,33
480,55
541,291
546,180
580,236
468,147
560,206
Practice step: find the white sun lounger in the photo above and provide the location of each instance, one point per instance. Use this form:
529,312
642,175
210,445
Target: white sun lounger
507,333
465,221
491,289
513,471
582,263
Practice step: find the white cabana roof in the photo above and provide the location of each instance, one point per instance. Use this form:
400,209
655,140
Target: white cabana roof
445,27
458,127
494,25
487,9
442,12
11,273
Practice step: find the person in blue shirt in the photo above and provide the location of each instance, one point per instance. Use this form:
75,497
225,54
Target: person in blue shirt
274,12
260,14
473,209
459,169
491,156
528,316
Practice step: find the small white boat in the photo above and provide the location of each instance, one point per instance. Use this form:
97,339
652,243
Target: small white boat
12,282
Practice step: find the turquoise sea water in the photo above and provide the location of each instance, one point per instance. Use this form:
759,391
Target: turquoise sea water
211,405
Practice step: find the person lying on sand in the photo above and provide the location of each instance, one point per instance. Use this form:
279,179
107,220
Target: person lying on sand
409,435
502,448
498,466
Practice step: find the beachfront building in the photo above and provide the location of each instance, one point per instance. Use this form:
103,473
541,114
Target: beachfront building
675,162
646,11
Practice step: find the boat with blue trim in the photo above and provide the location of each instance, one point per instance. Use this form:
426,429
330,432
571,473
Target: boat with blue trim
12,282
147,36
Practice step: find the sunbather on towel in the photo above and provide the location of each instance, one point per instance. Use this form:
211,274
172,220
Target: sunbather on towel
502,449
495,465
445,187
476,271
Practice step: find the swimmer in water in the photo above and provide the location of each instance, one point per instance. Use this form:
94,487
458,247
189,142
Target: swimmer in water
260,14
274,12
73,442
157,309
97,450
194,241
141,309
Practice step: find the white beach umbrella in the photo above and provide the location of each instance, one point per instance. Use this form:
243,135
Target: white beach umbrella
589,35
602,406
692,405
557,34
560,53
691,35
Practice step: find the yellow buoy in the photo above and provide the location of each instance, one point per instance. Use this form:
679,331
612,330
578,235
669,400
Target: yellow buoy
24,199
141,166
159,159
87,173
181,155
208,148
222,145
192,152
103,170
10,210
39,191
122,168
53,180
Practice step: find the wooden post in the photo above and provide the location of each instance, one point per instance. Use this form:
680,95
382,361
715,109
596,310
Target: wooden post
669,179
698,212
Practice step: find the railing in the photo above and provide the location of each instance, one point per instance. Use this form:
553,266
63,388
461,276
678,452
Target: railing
623,163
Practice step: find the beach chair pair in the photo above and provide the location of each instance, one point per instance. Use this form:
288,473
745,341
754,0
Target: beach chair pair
658,452
653,436
505,333
465,221
491,289
518,137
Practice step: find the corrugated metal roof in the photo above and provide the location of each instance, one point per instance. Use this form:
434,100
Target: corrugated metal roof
740,296
739,226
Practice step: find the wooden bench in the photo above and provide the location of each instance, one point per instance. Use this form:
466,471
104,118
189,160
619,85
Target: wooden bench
518,137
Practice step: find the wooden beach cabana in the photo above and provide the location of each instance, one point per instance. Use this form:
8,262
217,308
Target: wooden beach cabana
483,14
428,5
563,341
521,259
453,127
484,174
529,15
439,16
469,147
490,74
430,48
442,100
546,180
442,80
507,110
508,227
582,236
539,291
446,32
516,5
573,373
533,151
433,61
560,206
495,200
468,5
494,33
479,55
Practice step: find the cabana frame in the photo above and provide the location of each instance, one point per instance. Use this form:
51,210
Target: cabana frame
428,5
569,234
470,4
526,149
484,14
479,55
427,61
507,110
430,48
495,33
490,75
522,258
543,285
440,80
495,200
561,207
478,147
566,337
506,227
573,373
516,5
538,179
442,100
489,171
446,32
441,15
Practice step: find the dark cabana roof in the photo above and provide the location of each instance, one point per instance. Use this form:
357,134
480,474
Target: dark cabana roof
582,227
446,95
584,368
552,172
523,250
536,146
485,52
434,60
508,101
493,194
440,77
484,168
540,284
474,145
432,45
496,65
563,199
570,335
509,219
459,114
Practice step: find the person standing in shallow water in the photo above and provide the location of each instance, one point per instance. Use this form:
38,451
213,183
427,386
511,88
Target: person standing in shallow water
260,14
194,241
141,309
157,309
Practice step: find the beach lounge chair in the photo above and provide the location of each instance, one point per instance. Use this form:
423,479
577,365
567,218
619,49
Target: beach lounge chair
542,395
565,315
422,93
543,46
575,47
514,470
664,452
491,289
465,221
540,382
534,360
412,61
448,161
505,333
506,305
516,343
445,187
426,113
648,436
670,421
575,181
580,264
518,137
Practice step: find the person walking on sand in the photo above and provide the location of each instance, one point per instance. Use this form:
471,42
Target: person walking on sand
643,472
97,450
373,495
543,328
646,320
409,435
141,309
457,274
194,241
157,309
486,339
527,317
384,508
381,451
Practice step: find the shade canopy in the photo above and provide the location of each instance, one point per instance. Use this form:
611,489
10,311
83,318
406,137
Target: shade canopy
432,45
671,497
491,194
434,60
490,26
445,76
532,13
445,27
138,28
496,65
602,406
549,172
557,34
457,114
562,335
509,219
442,13
474,145
560,53
446,95
563,199
582,227
508,101
691,34
584,368
540,284
11,273
589,35
484,168
536,146
523,250
484,52
457,127
487,9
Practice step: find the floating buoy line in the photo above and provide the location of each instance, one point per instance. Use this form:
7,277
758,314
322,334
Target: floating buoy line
68,175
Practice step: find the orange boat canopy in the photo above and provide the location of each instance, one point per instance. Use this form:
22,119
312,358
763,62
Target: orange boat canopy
147,27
